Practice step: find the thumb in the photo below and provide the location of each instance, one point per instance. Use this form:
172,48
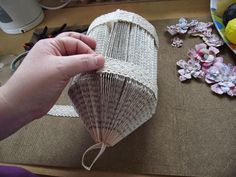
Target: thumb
75,64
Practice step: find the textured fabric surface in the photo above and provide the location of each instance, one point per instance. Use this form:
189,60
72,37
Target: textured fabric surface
193,132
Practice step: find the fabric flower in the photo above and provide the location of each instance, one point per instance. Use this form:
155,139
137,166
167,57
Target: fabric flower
223,78
188,69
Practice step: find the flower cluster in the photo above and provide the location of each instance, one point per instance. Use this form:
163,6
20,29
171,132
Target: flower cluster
205,55
194,28
188,69
204,63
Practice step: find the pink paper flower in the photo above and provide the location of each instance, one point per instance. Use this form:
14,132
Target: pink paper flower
180,28
223,78
213,40
203,60
205,55
189,69
196,28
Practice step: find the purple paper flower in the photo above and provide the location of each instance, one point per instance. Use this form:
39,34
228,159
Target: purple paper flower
193,23
203,60
176,42
188,69
223,78
179,28
200,27
204,30
196,28
213,40
182,26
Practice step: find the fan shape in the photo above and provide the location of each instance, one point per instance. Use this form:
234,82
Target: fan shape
115,100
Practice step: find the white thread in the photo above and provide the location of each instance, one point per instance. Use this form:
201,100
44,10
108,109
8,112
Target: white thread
100,146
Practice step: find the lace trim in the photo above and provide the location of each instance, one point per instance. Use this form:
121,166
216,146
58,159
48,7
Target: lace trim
121,15
63,111
131,71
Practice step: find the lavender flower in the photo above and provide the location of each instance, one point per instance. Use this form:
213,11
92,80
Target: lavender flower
223,78
177,42
188,69
200,27
179,28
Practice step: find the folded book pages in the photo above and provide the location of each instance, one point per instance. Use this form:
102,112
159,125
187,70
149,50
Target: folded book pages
115,100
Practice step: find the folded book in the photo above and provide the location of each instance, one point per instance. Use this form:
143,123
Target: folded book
115,100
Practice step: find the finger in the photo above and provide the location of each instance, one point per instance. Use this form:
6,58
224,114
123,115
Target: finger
75,64
86,39
72,46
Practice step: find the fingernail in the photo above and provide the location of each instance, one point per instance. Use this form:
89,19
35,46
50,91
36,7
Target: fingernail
99,60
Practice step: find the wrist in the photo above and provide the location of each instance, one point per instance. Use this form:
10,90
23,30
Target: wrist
13,103
5,109
12,117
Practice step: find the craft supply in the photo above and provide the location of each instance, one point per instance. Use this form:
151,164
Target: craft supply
193,28
202,60
176,42
205,63
189,69
115,100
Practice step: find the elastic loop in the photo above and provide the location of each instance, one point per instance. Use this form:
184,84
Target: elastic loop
100,146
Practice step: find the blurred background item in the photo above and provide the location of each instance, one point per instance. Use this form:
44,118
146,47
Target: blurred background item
19,16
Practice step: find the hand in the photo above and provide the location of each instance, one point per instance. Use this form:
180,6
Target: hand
38,82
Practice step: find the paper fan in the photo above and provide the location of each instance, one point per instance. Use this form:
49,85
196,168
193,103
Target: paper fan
115,100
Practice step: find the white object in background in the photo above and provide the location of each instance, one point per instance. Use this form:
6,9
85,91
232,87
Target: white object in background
19,16
63,111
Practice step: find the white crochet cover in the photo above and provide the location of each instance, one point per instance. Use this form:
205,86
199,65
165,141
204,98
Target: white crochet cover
120,97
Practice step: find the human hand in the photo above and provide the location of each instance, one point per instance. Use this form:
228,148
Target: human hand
38,82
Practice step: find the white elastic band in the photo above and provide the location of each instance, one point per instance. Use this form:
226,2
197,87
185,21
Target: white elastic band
63,111
100,146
